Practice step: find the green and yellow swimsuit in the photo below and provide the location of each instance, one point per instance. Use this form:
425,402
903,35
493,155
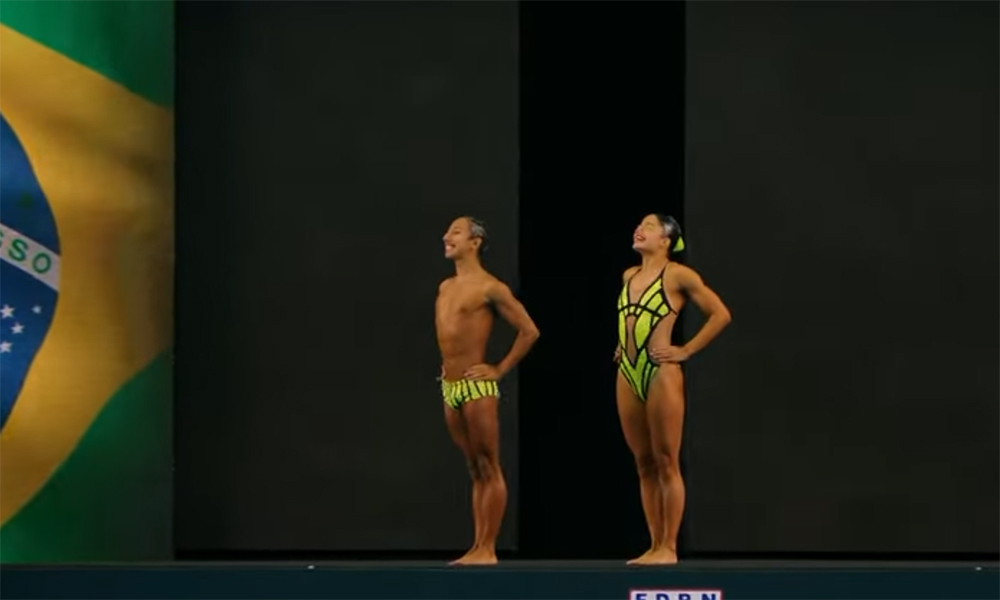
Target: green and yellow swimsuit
651,308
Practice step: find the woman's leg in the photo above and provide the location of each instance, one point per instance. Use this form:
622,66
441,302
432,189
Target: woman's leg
632,413
665,413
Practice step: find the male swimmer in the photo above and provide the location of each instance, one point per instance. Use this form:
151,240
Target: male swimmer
650,388
464,319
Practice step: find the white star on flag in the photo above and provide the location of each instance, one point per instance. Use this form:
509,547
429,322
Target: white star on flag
5,347
6,312
17,328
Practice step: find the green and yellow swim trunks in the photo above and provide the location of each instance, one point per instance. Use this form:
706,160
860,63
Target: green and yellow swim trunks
463,391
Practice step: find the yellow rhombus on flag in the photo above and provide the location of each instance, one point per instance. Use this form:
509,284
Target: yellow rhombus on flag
86,208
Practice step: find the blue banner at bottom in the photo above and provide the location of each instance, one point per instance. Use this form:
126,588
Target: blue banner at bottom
508,582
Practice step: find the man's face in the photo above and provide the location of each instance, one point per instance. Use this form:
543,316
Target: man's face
458,240
649,236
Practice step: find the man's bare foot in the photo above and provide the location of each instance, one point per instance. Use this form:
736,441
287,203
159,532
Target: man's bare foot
663,556
641,558
479,557
465,557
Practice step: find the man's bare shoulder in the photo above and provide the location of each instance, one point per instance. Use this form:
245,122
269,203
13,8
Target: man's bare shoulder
489,279
484,281
490,285
629,272
445,283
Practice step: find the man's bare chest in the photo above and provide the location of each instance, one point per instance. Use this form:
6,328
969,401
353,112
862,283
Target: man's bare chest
461,301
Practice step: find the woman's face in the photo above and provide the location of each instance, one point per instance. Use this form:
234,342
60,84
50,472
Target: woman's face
650,236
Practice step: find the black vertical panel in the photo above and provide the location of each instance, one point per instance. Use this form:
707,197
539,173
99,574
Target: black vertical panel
601,146
207,198
323,148
842,186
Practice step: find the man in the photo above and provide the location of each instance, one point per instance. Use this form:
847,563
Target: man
464,318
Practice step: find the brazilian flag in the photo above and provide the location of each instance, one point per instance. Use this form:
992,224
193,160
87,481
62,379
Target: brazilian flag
86,276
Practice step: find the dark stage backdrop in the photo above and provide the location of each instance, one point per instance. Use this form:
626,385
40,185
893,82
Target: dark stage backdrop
602,146
323,148
842,190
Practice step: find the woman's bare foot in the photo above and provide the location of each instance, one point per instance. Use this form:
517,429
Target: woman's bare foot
465,557
641,559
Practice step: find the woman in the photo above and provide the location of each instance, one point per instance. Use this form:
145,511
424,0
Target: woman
650,389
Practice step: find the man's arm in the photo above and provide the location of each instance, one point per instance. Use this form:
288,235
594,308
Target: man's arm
710,305
514,313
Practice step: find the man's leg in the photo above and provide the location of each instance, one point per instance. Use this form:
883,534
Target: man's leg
665,411
456,427
632,414
483,429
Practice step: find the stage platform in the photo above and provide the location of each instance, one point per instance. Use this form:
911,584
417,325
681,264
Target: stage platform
512,580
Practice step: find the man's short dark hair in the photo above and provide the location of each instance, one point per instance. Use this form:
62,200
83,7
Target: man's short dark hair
477,229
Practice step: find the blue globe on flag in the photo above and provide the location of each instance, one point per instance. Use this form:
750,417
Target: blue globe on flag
29,267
